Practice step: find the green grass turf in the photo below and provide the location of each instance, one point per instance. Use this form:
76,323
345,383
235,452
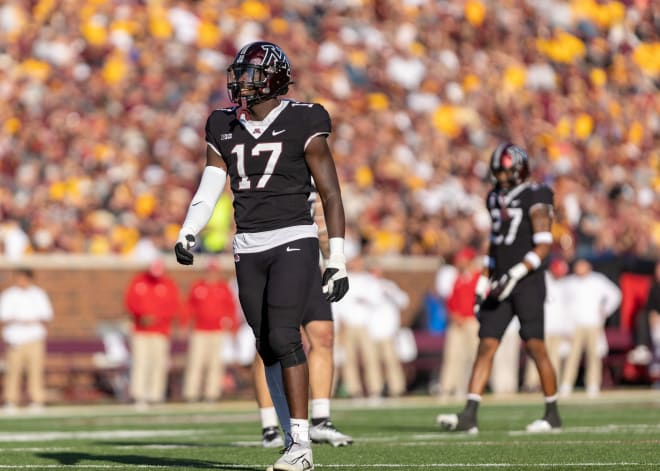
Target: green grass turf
619,431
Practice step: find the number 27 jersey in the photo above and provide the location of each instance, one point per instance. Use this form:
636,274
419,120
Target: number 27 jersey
266,163
511,224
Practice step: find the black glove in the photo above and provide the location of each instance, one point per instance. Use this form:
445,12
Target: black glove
335,278
182,249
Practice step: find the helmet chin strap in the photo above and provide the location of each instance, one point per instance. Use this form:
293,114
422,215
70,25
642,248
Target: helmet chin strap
243,111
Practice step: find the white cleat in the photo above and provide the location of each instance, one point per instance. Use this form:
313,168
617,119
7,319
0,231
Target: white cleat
295,458
447,421
454,423
325,432
541,426
271,438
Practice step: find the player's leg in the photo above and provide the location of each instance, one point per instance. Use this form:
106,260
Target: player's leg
320,334
270,435
495,317
251,276
529,305
292,278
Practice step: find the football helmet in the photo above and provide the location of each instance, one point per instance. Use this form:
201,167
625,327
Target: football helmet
513,159
262,69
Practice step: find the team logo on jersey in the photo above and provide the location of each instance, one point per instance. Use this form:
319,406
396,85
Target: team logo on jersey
225,136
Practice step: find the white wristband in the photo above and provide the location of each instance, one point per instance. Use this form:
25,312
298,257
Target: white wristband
542,238
488,262
336,246
533,259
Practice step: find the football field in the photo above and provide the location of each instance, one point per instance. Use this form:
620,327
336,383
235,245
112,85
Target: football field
618,431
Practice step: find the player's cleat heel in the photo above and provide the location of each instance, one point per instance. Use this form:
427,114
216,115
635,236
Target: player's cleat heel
271,438
325,432
543,426
457,423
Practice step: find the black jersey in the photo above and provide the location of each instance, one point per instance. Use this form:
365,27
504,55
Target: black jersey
266,163
511,225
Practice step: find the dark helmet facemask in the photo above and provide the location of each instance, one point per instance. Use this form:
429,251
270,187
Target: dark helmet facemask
261,68
510,158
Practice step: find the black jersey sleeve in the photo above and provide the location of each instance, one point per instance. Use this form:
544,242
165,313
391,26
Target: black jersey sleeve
211,132
542,194
318,121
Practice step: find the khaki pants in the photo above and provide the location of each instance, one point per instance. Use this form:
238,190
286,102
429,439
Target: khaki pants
552,345
506,364
585,339
204,364
460,350
150,357
389,361
29,357
359,348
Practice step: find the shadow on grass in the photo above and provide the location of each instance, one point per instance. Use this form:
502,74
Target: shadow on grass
156,444
72,459
152,444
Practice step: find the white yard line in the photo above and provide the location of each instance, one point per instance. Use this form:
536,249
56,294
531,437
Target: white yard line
9,437
609,428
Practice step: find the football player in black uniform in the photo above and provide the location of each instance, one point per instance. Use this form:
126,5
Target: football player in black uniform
319,330
512,282
271,148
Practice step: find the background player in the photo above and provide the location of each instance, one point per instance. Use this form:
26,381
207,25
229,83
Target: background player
271,148
521,218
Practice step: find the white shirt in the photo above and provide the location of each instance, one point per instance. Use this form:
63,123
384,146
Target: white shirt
385,316
556,321
354,309
23,310
590,299
444,280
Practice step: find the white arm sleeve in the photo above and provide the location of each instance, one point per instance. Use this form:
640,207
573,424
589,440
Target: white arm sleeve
202,205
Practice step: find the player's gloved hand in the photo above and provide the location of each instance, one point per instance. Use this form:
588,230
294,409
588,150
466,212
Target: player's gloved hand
480,292
501,288
184,243
335,278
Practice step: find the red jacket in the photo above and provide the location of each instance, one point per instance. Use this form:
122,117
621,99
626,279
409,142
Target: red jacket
461,300
212,306
153,302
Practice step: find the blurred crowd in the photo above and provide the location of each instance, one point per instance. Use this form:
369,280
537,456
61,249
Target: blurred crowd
105,101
